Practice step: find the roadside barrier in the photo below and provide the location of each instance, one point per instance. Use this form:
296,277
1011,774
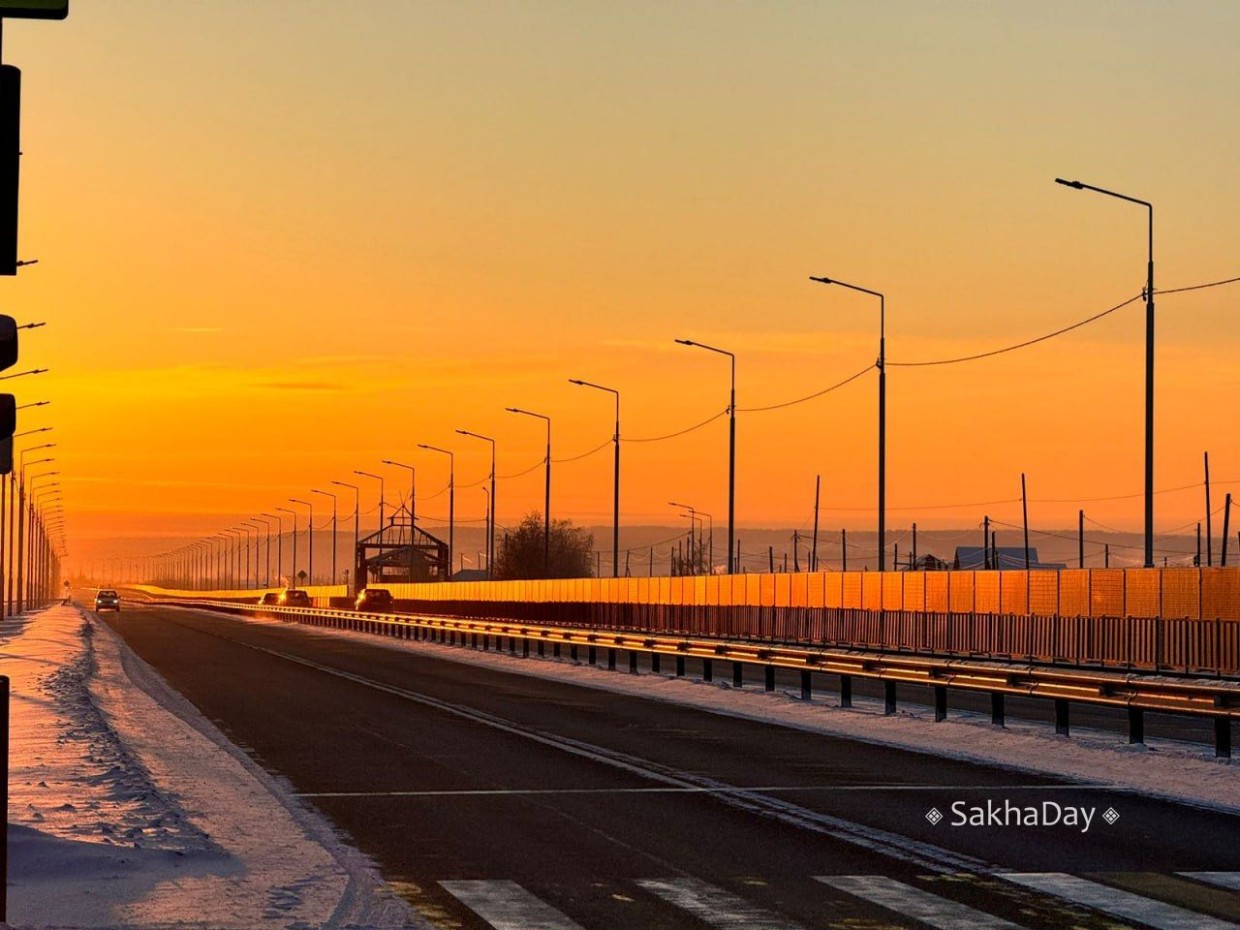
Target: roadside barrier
1216,699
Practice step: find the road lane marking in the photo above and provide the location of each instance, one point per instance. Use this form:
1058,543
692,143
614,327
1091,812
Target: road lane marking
1122,904
1228,880
720,909
764,789
883,842
507,906
912,902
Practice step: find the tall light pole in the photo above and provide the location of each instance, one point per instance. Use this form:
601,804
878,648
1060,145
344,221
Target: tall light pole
257,525
333,497
292,578
309,534
264,520
357,525
379,478
413,483
451,502
615,482
231,537
731,450
882,413
1149,362
547,493
692,527
490,500
279,547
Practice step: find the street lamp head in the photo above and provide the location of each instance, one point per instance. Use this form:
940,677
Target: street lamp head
1073,184
514,409
822,280
575,381
686,342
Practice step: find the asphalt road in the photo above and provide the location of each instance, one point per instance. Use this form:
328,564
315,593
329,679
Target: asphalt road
520,803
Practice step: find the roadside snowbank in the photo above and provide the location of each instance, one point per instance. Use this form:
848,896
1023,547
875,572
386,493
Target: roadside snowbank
1179,771
128,808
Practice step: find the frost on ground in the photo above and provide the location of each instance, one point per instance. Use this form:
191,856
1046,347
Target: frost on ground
128,809
1179,771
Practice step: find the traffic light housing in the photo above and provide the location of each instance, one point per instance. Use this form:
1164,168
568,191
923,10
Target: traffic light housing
8,403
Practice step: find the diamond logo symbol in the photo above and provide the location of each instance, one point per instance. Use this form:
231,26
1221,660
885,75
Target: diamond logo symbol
934,816
1111,815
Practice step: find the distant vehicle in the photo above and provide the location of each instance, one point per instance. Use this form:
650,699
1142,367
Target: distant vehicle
270,599
107,599
294,597
378,600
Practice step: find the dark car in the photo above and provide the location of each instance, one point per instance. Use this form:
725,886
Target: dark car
376,600
294,597
107,599
270,599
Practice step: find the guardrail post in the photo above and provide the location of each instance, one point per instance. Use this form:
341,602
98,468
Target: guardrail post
770,677
1222,734
680,666
656,663
1136,725
542,649
1061,717
738,674
889,697
996,709
846,691
572,652
555,650
940,703
591,654
632,661
525,647
807,685
611,660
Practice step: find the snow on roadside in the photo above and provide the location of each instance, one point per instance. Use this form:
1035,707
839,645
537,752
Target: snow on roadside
1174,770
128,808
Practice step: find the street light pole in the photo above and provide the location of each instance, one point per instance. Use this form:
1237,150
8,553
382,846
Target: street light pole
547,493
413,485
731,450
309,535
615,484
263,519
490,501
279,547
451,502
882,413
692,526
1149,362
333,497
357,524
379,478
293,576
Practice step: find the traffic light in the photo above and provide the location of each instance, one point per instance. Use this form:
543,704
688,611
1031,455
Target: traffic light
10,161
8,403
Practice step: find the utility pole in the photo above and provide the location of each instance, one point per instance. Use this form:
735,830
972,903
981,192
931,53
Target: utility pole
1209,532
1024,507
813,558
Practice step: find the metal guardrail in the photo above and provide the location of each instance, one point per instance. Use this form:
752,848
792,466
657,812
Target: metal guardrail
1215,699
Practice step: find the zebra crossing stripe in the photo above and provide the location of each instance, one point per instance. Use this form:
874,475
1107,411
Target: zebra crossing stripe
720,909
912,902
506,905
1122,904
1228,880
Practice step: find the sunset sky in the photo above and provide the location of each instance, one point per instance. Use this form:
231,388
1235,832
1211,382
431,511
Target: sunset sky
279,241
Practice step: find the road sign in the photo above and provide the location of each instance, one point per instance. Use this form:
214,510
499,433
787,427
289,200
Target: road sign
34,9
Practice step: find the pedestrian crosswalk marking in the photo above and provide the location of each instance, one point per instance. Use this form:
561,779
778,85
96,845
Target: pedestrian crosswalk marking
720,909
912,902
506,905
1122,904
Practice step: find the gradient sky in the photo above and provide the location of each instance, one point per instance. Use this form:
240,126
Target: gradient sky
279,241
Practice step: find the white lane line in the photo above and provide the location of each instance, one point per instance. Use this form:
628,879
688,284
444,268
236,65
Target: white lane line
912,902
720,909
883,842
765,789
1228,880
507,906
1122,904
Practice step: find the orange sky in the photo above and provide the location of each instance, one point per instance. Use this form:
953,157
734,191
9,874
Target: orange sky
281,241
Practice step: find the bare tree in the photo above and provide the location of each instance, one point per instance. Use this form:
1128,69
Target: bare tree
521,551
